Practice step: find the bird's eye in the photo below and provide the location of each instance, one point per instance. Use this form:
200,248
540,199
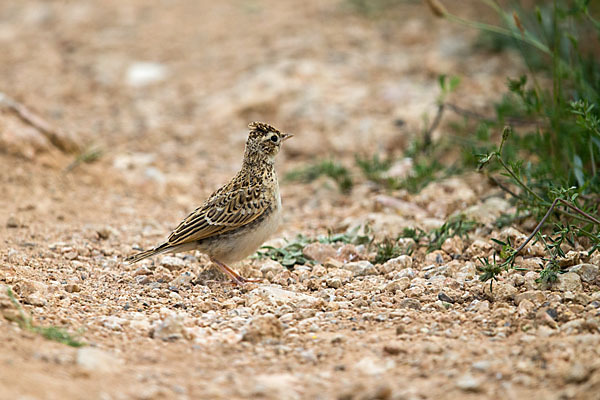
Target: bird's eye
274,138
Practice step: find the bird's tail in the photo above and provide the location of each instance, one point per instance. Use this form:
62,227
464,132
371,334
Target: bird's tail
163,248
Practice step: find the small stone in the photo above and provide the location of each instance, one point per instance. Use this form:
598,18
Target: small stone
361,268
319,252
537,297
333,263
410,303
272,266
479,306
184,279
72,288
453,245
577,373
394,349
143,270
397,263
587,272
276,296
569,282
92,359
12,222
398,285
172,263
445,298
500,291
525,307
263,327
169,329
469,383
145,73
334,282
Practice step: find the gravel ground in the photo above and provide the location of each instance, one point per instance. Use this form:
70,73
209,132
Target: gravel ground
166,90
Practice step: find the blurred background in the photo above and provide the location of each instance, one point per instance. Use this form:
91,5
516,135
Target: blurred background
159,93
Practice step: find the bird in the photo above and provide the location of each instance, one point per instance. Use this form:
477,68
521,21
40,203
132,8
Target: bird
240,216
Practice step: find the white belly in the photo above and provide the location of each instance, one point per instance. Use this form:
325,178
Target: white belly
242,244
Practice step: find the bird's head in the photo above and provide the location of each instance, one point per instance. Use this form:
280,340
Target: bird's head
264,141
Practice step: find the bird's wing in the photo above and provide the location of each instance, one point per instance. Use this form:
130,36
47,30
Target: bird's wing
222,212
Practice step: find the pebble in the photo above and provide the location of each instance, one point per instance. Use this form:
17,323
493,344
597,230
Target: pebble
525,307
276,296
410,303
569,282
92,359
361,268
537,297
587,272
184,279
334,282
262,327
445,298
169,329
144,73
172,263
397,264
319,252
500,291
469,383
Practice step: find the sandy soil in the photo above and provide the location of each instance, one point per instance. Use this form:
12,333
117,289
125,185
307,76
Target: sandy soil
166,89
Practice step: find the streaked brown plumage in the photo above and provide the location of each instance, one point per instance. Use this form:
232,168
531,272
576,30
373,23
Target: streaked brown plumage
236,219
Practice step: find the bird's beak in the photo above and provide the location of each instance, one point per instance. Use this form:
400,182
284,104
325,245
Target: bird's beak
286,136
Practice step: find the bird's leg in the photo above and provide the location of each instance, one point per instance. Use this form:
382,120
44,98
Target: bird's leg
235,277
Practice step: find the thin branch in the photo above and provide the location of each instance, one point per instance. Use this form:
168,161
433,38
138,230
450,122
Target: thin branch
56,137
436,121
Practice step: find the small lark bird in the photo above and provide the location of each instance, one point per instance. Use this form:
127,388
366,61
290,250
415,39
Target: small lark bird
236,219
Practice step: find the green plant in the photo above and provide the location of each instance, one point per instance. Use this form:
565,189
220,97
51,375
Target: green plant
49,332
387,250
288,255
333,169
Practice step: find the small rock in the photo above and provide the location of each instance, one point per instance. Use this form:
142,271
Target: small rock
333,263
92,359
410,303
334,282
263,327
172,263
145,73
184,279
361,268
408,273
479,306
272,266
72,288
398,285
587,272
444,297
577,373
275,296
537,297
569,282
453,245
143,270
500,291
319,252
169,329
488,211
12,222
394,348
397,263
469,383
525,307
